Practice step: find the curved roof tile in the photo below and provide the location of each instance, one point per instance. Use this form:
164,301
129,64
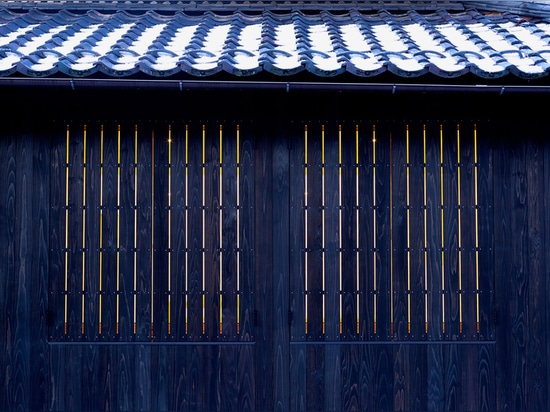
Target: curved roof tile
449,45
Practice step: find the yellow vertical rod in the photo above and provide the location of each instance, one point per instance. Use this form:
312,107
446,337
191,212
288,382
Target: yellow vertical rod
357,282
442,209
152,316
340,229
220,223
425,204
100,323
118,235
323,224
186,229
84,206
169,268
203,229
135,222
66,252
408,173
374,244
391,240
305,232
476,165
459,229
238,232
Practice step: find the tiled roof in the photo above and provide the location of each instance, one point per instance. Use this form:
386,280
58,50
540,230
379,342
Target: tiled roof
51,43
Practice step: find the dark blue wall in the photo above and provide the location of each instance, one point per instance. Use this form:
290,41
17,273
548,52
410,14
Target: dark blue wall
278,369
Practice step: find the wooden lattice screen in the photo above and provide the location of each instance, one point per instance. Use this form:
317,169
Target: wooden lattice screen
152,233
393,233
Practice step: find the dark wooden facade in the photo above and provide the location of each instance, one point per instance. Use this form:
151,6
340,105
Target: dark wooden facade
271,363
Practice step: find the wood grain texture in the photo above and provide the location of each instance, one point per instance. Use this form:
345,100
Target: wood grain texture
350,367
487,232
40,204
513,298
9,278
296,236
536,335
251,228
281,282
298,377
56,235
274,373
264,284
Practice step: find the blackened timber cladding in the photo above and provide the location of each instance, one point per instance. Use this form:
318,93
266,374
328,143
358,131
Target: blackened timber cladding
271,363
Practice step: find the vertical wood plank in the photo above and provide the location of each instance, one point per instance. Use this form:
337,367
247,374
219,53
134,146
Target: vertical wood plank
383,378
536,335
435,316
435,379
162,376
452,373
298,378
73,381
19,310
314,229
366,377
281,246
39,365
401,393
268,314
195,232
296,236
91,297
160,232
56,233
315,377
249,221
399,231
245,380
125,378
8,269
487,187
417,378
211,231
349,282
142,378
144,240
450,180
91,385
56,398
126,315
333,378
350,369
511,245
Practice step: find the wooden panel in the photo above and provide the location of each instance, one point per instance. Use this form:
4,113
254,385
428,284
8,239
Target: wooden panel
298,377
56,235
195,232
39,365
18,307
350,369
383,164
511,271
297,239
537,337
281,271
487,235
250,230
398,231
273,374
